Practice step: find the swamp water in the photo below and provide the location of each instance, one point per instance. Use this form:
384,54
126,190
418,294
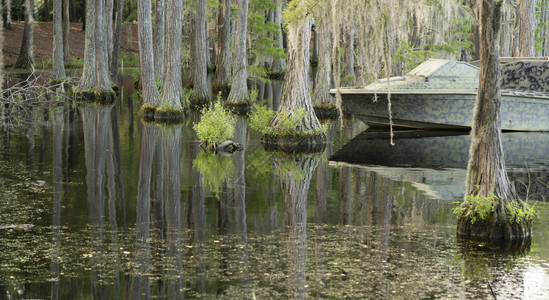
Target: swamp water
96,204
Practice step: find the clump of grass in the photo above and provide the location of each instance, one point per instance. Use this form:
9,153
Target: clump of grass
215,126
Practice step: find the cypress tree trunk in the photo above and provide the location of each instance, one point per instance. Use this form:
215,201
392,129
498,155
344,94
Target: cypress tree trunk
170,107
109,6
486,174
101,51
349,57
222,79
159,44
66,31
200,96
116,41
323,102
238,97
279,65
7,18
308,134
25,59
89,77
58,71
151,97
526,28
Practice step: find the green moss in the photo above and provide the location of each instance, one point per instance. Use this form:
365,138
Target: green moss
168,115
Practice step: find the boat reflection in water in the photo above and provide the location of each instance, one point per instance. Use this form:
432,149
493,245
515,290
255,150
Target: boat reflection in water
436,161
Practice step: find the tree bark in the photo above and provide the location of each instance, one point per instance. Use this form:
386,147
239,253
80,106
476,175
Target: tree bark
526,28
151,97
109,6
222,79
26,59
66,31
238,97
159,43
89,77
349,56
279,65
486,174
58,71
7,15
323,103
116,41
101,51
201,94
308,134
170,107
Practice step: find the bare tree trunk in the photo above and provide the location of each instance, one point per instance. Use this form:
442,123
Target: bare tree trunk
527,28
66,31
151,97
159,43
89,76
7,15
349,56
58,71
238,97
323,103
170,107
201,94
101,55
109,6
116,42
26,59
280,64
308,134
222,77
486,174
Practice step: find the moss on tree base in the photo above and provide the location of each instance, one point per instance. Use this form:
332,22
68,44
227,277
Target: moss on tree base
309,143
101,97
148,111
326,112
240,108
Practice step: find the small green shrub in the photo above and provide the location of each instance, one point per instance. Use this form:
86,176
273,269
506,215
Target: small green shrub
477,208
260,117
517,211
215,126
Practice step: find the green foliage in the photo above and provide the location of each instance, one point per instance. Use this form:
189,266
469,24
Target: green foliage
297,11
477,208
260,117
520,210
260,37
540,26
347,79
215,126
129,60
215,169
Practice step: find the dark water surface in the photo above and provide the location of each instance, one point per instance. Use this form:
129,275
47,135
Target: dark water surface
96,204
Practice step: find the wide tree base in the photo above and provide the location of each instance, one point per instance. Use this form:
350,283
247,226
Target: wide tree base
241,108
224,89
326,112
148,111
295,143
102,97
500,230
197,103
168,115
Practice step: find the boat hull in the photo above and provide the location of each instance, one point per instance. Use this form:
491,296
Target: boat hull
444,109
